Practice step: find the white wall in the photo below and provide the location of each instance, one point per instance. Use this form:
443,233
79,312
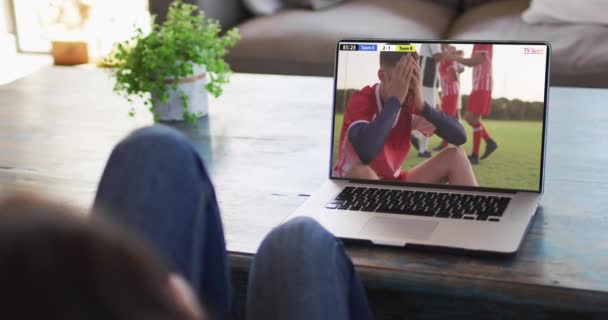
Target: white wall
6,21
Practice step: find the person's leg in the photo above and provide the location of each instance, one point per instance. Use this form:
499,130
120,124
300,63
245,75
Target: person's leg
429,94
469,118
156,185
473,120
448,106
491,145
456,117
361,171
483,103
484,133
476,139
477,129
422,143
451,164
302,272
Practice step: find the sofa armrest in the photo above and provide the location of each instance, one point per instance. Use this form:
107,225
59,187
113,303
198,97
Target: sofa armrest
228,12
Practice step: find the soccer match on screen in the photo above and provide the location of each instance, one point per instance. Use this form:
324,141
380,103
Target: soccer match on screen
466,114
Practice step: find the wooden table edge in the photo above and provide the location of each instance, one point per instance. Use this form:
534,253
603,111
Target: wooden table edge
491,290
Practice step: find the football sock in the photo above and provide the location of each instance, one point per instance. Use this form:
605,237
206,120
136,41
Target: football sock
424,143
477,129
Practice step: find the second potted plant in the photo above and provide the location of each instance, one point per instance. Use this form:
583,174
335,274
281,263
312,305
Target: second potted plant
174,67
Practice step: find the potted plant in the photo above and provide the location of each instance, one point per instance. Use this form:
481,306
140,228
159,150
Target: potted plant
174,66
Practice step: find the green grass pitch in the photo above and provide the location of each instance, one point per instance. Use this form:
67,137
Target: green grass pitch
515,164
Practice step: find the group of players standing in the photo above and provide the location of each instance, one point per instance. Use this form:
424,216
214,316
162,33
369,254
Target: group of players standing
447,62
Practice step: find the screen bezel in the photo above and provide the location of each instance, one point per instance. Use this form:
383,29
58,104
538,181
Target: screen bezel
441,186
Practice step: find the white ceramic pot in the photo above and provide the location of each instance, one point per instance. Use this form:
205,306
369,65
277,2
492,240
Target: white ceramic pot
198,98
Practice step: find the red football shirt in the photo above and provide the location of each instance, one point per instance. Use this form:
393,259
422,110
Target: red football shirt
482,73
449,85
362,107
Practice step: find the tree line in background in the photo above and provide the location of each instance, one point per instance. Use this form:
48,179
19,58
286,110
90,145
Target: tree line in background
502,108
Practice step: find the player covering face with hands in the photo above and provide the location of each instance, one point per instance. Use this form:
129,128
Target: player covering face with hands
378,123
401,81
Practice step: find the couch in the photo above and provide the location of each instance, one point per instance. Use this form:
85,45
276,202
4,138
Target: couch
302,41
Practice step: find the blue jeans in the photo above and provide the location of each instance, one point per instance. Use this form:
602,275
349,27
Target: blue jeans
156,185
301,271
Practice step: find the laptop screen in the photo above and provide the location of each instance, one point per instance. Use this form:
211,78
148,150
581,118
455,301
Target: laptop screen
467,114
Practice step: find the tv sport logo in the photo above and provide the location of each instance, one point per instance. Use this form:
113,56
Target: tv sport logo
534,50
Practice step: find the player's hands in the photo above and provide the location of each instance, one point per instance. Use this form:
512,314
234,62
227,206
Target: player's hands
416,86
399,79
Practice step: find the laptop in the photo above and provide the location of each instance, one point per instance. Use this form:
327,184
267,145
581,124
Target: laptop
438,144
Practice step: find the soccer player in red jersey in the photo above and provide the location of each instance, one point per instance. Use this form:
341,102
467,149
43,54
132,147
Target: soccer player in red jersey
480,100
378,123
450,88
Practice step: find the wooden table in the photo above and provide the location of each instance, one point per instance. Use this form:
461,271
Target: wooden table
266,145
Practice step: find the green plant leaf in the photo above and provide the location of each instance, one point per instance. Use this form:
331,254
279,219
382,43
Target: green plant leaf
170,51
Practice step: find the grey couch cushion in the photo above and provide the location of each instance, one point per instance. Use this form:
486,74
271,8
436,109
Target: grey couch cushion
228,12
468,4
579,51
303,41
312,4
263,7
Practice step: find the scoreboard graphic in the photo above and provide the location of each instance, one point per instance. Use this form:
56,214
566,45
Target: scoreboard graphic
396,47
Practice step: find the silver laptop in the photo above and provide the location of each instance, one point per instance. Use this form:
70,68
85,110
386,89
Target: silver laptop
435,143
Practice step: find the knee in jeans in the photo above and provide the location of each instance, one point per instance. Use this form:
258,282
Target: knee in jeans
298,236
157,134
159,142
299,229
302,227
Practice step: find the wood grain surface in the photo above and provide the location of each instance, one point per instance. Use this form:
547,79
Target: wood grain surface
266,146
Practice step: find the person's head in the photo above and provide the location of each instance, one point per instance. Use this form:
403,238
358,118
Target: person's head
460,53
388,60
55,263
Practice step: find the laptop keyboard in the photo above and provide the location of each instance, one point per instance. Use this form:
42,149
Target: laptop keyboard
421,203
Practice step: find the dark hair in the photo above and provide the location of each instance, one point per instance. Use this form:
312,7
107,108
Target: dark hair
390,58
57,264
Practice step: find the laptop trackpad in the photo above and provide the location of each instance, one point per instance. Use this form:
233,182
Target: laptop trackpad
399,229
